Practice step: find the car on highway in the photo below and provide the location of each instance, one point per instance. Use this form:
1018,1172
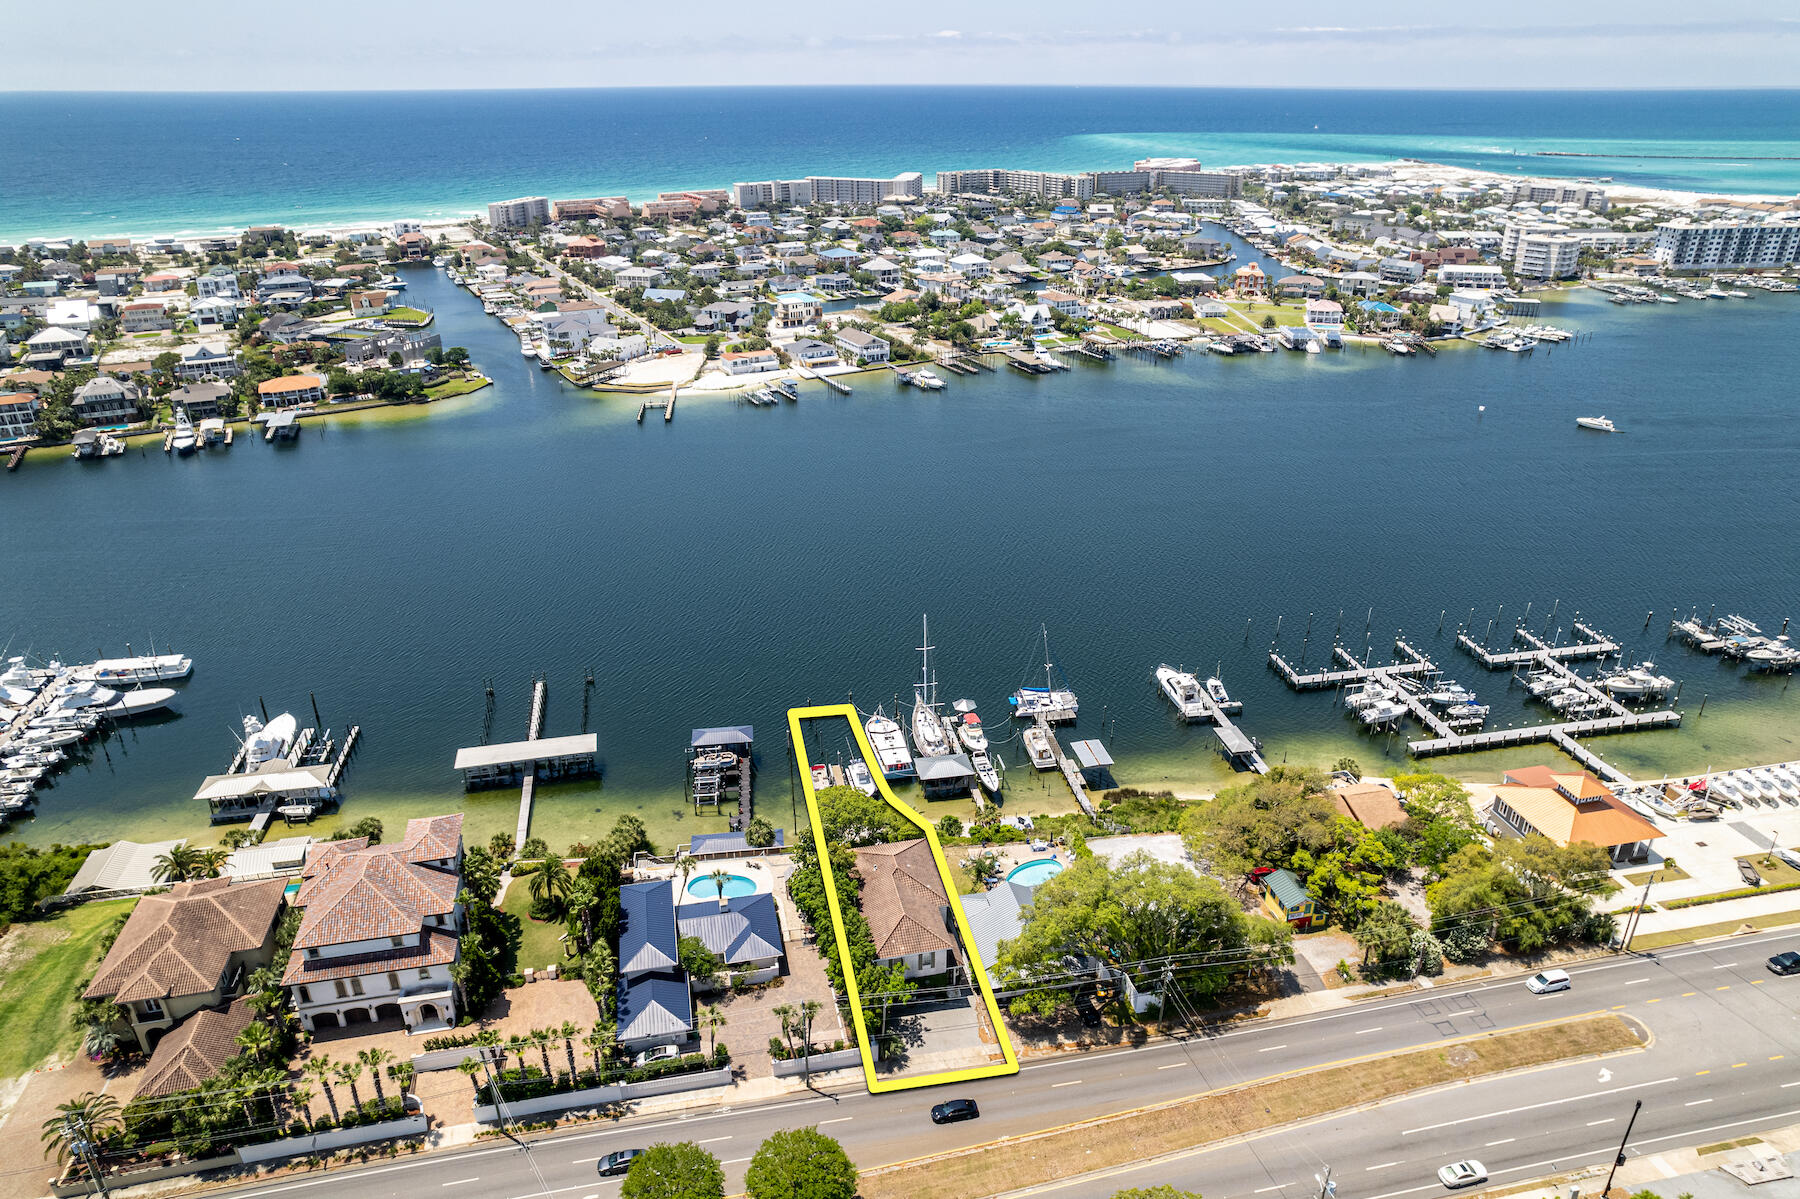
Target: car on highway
1466,1173
618,1161
1785,963
1546,981
952,1110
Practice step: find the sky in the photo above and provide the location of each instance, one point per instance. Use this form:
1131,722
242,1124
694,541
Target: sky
330,45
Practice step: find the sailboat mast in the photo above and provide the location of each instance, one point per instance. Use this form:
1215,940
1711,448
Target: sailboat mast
1049,683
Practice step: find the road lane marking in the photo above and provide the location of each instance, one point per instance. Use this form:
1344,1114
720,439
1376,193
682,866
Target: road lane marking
734,1161
1179,1065
1724,966
1786,1085
1608,1120
1636,1086
713,1140
1777,1057
1073,1082
839,1120
1653,1000
1382,1166
1266,1190
460,1181
1696,1102
1739,1065
1726,987
1507,1141
1757,982
1698,1073
1272,1049
1361,1031
1689,994
1635,981
1618,1007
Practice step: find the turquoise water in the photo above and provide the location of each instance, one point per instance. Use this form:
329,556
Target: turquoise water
1034,873
738,561
736,887
200,162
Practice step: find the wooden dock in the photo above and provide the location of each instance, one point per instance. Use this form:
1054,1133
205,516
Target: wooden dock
1597,645
1071,772
528,787
837,385
1319,680
343,757
1532,734
16,456
667,406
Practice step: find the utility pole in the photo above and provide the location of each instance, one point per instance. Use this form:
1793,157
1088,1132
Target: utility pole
1620,1160
499,1102
76,1134
1637,913
1327,1188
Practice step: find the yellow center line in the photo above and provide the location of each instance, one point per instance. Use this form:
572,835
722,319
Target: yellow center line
1739,1065
1778,1057
1757,982
1689,994
1697,1073
1652,1001
1726,987
1618,1007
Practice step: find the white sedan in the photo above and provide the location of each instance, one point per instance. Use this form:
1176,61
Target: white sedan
1458,1175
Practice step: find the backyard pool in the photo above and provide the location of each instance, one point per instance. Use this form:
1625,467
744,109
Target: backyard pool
736,886
1034,872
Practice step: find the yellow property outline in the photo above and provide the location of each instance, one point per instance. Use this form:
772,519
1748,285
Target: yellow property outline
875,1085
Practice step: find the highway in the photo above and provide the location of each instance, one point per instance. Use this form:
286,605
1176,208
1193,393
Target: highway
1721,1063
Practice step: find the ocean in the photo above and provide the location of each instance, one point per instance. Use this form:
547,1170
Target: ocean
92,164
739,561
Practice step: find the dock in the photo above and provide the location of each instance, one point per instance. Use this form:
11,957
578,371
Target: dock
1071,771
1320,680
1558,733
1026,362
837,385
16,456
719,763
1239,747
1597,645
343,758
535,726
667,406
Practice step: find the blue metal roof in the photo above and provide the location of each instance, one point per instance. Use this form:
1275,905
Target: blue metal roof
1377,306
730,734
654,1005
716,843
647,939
746,929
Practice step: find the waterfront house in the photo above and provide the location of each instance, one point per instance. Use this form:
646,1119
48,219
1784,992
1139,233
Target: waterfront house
861,347
18,415
146,317
743,930
104,400
1369,804
189,948
887,273
290,391
1379,313
1569,808
205,360
1286,900
904,901
1324,314
220,283
197,1049
54,346
1395,271
1063,302
655,1005
379,937
798,309
1306,287
201,401
813,353
745,362
724,315
370,303
1249,280
414,246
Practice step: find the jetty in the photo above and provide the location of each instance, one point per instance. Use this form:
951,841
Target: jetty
837,385
1071,770
16,456
667,406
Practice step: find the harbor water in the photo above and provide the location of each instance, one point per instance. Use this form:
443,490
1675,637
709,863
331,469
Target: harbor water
738,561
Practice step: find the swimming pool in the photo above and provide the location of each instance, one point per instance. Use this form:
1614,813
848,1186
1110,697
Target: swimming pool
1035,872
736,886
292,889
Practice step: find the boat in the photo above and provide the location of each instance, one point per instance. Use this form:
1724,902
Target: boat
1215,687
927,380
1183,690
1598,424
1382,712
1722,791
266,742
110,446
1640,682
212,431
857,771
786,388
142,668
184,441
1749,781
1784,789
968,730
928,731
821,776
526,348
1037,745
91,697
1054,704
889,743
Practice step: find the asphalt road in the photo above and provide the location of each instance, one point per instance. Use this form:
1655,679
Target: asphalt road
1725,1044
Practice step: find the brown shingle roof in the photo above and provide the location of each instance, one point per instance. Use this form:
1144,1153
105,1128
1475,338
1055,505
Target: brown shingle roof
903,898
1369,803
195,1050
180,943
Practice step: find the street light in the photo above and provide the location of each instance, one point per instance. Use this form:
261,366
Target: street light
1620,1159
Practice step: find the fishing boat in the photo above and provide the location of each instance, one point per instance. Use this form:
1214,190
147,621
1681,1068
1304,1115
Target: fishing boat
821,776
927,380
974,739
266,742
927,729
185,440
1598,424
1037,745
142,668
857,771
889,743
1054,704
1640,682
90,696
1183,690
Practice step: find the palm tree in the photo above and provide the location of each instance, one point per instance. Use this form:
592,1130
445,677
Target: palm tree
599,1038
403,1074
87,1118
518,1042
347,1073
809,1011
785,1013
687,866
257,1040
267,1083
541,1037
471,1068
711,1018
719,878
551,884
569,1031
321,1068
177,865
372,1060
300,1097
100,1040
210,863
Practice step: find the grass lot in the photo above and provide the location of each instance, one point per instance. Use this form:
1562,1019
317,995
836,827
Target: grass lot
404,313
40,963
455,387
540,941
1113,1141
1668,874
1773,869
1699,932
693,339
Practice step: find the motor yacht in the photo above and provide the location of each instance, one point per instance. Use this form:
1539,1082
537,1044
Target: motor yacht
1183,690
1037,745
857,771
265,743
1598,424
889,743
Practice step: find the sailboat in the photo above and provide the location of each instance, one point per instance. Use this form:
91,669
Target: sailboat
928,731
889,744
974,739
1054,705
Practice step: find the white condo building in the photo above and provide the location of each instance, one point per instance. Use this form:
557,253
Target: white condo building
520,213
827,189
1681,245
1550,191
1541,253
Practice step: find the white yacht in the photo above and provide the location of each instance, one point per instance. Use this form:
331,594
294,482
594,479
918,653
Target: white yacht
974,739
91,697
857,771
1184,691
927,380
212,431
889,743
1037,744
1639,682
1054,704
1383,712
1215,687
1598,424
928,731
266,742
143,668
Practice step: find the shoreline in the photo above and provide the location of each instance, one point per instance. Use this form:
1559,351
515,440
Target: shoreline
1404,168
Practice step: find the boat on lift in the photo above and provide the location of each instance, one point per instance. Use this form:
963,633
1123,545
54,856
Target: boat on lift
974,739
264,743
857,771
1639,682
1184,691
927,729
889,743
1037,745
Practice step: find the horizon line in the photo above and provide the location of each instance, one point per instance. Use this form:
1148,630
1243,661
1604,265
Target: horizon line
868,87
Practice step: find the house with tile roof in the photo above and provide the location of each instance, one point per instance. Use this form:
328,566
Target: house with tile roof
907,907
196,1051
1569,807
380,932
189,948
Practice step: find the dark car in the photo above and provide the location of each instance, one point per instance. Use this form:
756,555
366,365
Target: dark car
1785,963
952,1110
618,1161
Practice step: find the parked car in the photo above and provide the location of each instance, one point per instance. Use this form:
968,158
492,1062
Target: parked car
1785,963
953,1110
1546,981
1458,1175
618,1161
662,1053
1748,873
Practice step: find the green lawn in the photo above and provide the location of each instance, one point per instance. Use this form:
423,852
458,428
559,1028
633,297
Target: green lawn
540,941
1698,932
40,963
1668,874
405,314
454,387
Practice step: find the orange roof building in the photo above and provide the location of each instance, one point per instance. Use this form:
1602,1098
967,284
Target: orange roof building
1570,808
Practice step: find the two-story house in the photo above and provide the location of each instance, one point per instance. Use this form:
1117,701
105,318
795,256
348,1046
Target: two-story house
104,400
904,901
655,1004
380,930
203,361
189,948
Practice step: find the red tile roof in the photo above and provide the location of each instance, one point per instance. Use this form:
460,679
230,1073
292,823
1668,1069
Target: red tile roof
903,898
195,1050
180,942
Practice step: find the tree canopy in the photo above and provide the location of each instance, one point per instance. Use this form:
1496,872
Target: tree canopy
800,1163
1264,822
681,1170
1525,894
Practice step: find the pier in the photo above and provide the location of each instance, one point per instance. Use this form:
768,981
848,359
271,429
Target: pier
1559,733
1026,362
667,406
1356,672
836,385
719,765
1597,645
1239,747
1071,771
16,456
